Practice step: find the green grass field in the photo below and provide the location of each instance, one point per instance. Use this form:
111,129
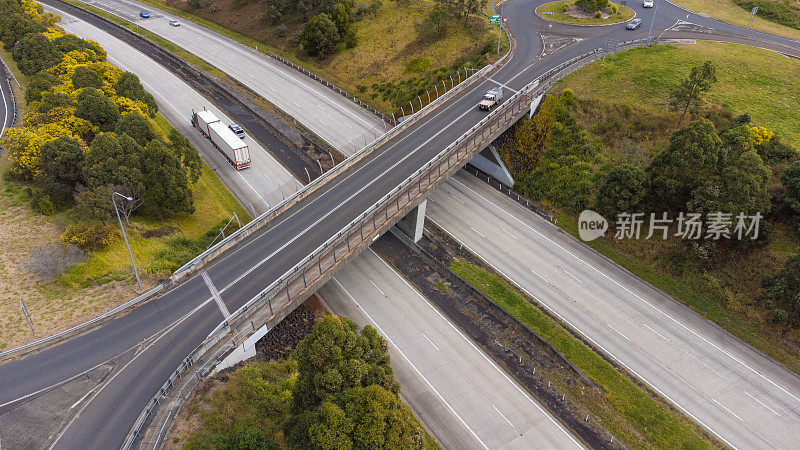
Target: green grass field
728,11
555,13
637,419
759,82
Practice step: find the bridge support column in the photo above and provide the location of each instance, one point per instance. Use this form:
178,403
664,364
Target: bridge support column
413,223
489,161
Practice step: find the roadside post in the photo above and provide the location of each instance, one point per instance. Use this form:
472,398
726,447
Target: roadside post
27,316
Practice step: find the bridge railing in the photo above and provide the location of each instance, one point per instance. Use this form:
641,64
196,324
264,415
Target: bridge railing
277,299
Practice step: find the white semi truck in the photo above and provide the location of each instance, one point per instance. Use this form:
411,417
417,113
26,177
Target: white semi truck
225,140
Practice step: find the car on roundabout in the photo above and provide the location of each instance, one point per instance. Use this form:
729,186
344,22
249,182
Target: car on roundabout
634,24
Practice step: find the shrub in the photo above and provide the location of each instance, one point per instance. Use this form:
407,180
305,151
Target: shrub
613,9
780,13
598,15
565,7
41,203
281,30
88,236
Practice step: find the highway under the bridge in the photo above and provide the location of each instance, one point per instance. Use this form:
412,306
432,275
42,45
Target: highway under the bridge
208,314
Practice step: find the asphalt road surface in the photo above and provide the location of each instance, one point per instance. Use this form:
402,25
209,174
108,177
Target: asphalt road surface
461,396
340,122
6,105
742,396
110,413
176,101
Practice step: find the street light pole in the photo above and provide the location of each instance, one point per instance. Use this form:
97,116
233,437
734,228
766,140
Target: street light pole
124,236
650,33
500,29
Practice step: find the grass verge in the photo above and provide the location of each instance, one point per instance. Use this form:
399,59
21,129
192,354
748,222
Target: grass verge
214,204
759,82
729,12
658,423
553,11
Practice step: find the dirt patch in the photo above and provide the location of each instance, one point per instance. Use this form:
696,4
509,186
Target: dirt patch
52,306
164,231
51,259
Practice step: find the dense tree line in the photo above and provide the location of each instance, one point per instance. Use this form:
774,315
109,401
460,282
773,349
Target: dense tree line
718,162
337,391
88,131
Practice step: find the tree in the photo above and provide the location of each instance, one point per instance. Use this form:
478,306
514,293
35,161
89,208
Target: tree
98,109
790,179
782,291
62,167
320,36
15,25
124,206
437,21
136,126
86,77
166,189
689,90
34,53
187,154
360,417
335,357
694,155
622,189
274,10
114,160
129,86
52,100
95,203
39,83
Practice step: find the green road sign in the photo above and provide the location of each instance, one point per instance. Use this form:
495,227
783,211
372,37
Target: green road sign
494,19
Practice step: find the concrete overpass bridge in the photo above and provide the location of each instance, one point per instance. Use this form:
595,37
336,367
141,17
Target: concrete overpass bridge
296,247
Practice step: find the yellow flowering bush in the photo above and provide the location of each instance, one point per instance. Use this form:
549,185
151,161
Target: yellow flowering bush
761,135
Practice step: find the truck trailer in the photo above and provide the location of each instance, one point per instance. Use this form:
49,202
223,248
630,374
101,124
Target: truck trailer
223,139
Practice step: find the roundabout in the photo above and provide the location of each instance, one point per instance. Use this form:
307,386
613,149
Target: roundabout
567,11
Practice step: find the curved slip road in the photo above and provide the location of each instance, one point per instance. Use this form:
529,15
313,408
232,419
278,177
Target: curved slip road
304,228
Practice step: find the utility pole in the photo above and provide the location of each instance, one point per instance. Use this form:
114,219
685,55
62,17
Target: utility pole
500,29
650,33
124,236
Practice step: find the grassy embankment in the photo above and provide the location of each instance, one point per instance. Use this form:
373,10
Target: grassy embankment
728,11
555,13
105,279
751,80
390,47
637,419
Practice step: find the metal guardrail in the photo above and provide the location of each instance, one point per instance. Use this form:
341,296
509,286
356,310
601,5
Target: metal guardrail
54,337
348,242
309,188
9,77
333,87
297,281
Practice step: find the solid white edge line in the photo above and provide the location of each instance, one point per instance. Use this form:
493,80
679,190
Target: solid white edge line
469,341
636,374
385,336
635,295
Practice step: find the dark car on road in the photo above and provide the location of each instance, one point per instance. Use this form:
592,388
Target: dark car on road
144,14
634,24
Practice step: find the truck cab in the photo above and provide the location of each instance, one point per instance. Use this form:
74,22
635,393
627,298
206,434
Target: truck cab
490,99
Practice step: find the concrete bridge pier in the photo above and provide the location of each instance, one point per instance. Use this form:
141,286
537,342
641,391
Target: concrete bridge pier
413,223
